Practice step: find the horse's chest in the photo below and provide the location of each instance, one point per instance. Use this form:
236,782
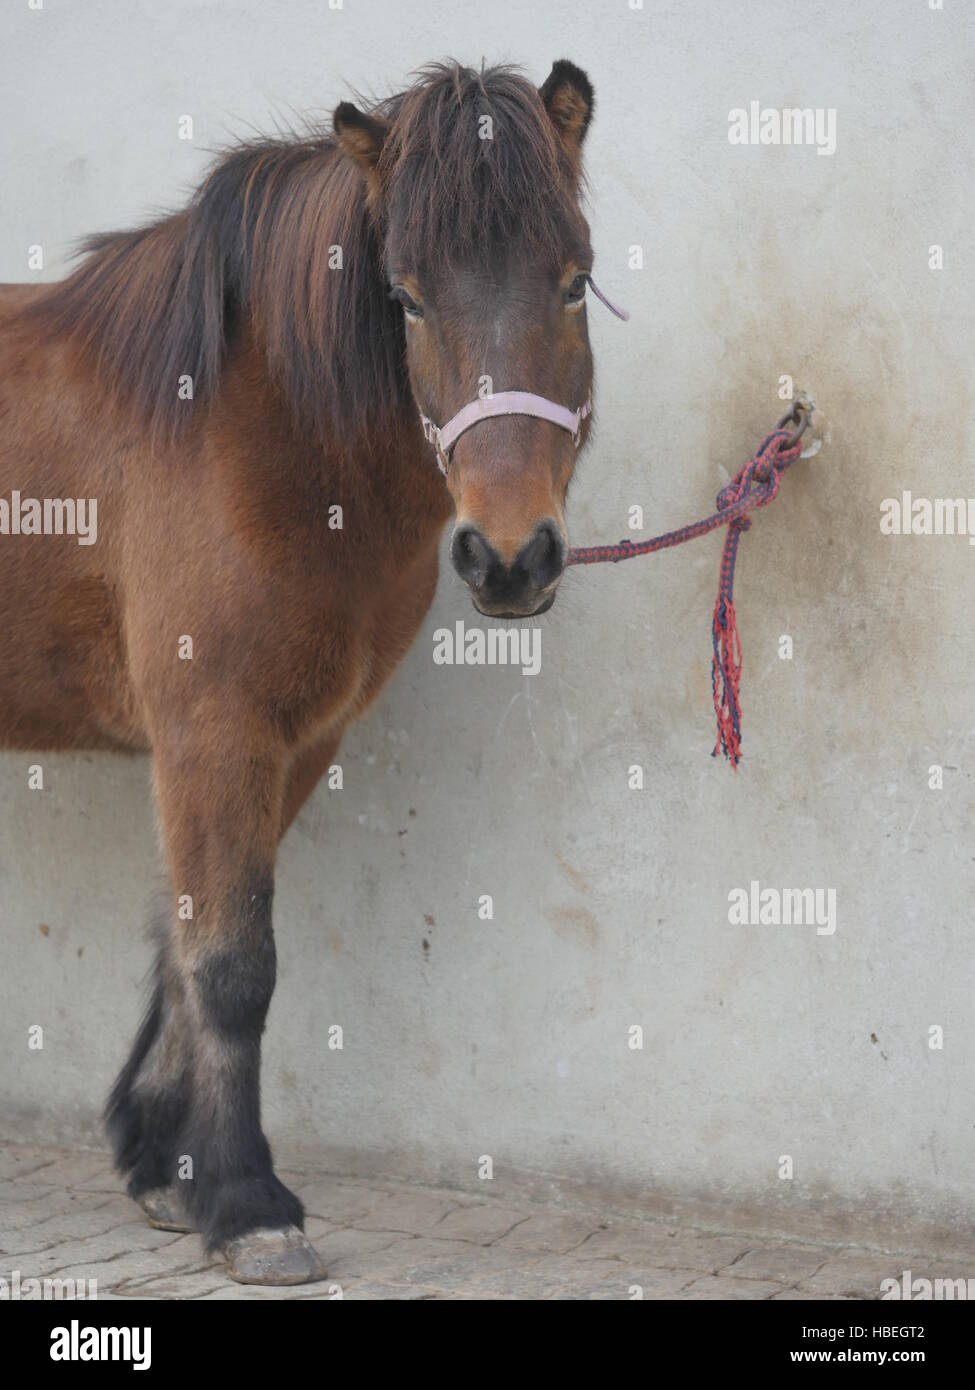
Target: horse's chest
358,653
397,619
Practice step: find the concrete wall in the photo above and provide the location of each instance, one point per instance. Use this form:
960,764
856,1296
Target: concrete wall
509,1037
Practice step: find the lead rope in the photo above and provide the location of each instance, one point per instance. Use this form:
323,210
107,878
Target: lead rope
754,485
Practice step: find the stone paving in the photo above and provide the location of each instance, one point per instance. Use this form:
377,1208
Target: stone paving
63,1215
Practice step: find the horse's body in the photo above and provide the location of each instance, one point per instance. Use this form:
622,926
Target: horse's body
211,539
216,523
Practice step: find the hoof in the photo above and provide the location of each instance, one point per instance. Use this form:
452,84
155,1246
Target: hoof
274,1257
164,1210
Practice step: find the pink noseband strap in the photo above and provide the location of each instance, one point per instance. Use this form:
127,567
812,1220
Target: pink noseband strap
444,437
503,403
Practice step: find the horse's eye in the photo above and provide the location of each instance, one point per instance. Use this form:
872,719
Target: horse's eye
576,292
411,309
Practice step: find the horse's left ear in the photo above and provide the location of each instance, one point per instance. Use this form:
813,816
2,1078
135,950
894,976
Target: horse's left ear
567,96
360,136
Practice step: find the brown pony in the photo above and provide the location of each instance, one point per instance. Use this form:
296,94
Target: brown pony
237,388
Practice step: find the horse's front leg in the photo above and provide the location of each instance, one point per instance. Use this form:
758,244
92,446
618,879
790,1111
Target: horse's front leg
220,803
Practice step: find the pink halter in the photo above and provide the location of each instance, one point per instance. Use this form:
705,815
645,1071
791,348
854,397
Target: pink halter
444,437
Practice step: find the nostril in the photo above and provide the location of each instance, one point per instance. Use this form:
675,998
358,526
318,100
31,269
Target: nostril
544,555
470,554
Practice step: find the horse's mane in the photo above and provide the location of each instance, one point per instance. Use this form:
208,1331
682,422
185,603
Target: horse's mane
253,248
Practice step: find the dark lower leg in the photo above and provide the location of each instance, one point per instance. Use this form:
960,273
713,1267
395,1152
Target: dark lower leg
150,1100
221,813
233,1188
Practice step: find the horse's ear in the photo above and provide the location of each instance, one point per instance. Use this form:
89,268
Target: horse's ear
360,136
567,96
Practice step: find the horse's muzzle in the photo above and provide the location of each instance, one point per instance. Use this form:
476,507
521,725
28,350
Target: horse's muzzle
543,607
523,589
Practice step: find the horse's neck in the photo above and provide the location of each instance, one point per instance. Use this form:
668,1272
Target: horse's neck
384,477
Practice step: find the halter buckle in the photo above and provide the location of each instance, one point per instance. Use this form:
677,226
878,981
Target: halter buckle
582,414
431,434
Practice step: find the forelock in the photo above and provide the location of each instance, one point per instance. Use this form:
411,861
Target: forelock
473,164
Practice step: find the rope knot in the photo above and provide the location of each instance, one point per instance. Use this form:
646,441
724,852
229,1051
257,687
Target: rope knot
779,450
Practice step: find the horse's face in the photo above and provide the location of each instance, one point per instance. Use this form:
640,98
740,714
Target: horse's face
503,310
521,326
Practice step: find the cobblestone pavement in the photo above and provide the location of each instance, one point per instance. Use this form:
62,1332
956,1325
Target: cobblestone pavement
63,1215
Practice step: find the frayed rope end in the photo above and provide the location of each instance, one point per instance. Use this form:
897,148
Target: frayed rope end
725,680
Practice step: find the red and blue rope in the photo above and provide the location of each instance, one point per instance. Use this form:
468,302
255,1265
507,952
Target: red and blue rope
754,485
